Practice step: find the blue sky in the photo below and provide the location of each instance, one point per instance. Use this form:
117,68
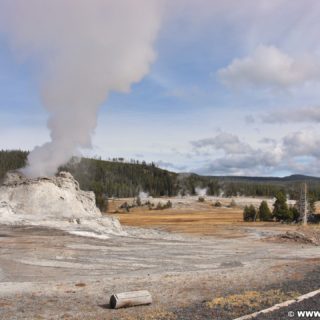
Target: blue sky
234,89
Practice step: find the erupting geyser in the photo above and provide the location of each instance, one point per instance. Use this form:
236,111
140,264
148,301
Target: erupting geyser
83,49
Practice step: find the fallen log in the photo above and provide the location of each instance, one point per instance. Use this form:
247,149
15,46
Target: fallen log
130,299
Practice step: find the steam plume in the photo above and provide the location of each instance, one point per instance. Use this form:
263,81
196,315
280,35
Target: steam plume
86,48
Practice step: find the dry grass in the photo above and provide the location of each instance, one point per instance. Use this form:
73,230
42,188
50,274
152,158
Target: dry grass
199,219
250,301
204,222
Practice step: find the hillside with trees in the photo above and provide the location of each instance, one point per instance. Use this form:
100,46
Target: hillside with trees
11,160
119,178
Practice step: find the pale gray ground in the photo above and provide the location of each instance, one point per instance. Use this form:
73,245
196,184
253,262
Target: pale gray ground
50,274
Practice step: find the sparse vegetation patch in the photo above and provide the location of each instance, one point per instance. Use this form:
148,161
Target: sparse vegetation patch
250,301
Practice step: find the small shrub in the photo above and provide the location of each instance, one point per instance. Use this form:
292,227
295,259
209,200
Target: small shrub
217,204
102,202
314,218
161,206
125,207
168,204
201,199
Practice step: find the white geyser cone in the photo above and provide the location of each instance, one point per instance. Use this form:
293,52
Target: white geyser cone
85,49
53,202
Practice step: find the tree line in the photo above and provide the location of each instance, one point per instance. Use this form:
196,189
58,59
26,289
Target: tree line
117,177
281,211
11,160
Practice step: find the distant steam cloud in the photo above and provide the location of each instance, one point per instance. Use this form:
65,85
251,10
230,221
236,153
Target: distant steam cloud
201,192
143,195
85,49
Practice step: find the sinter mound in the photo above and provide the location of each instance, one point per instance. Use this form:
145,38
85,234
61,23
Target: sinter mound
53,202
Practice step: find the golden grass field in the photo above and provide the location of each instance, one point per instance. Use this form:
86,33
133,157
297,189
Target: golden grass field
199,219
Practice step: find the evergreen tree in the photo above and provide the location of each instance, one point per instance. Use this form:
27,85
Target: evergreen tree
312,203
281,211
249,213
264,212
294,214
11,160
213,188
246,213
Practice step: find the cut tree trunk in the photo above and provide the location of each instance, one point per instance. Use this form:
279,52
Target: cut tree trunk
130,299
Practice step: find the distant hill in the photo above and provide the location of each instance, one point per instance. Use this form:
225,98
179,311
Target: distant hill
121,179
294,177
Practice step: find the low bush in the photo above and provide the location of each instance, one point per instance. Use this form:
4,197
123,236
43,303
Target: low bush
217,204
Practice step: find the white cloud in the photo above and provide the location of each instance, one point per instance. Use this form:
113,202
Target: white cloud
227,142
170,166
307,114
297,152
239,157
269,67
302,143
249,119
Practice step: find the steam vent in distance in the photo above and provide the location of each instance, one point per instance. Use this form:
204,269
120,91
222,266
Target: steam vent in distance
55,202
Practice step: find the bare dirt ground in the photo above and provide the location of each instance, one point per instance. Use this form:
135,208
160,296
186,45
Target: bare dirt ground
50,274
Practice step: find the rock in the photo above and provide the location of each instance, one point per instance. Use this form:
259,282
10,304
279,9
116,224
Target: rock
56,201
299,237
